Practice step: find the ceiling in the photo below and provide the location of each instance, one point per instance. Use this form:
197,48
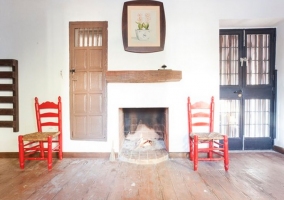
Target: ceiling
250,23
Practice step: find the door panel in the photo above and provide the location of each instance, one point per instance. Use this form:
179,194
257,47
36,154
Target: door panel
88,53
247,83
96,102
80,58
95,59
96,81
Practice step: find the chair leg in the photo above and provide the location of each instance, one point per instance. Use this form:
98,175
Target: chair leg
21,152
190,148
41,145
60,147
226,153
195,153
210,145
49,153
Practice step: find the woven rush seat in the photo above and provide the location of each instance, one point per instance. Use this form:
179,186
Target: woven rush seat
208,136
40,136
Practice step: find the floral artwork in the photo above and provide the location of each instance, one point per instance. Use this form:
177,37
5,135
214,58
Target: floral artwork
143,26
143,23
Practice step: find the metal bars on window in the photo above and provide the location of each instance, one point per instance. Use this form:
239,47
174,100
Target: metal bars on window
230,117
258,59
88,37
229,60
257,67
257,114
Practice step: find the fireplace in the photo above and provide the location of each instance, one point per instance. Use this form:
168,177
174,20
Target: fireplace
140,89
144,132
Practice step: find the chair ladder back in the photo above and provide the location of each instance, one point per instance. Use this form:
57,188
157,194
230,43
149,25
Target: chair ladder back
189,115
43,111
198,110
38,122
59,115
212,105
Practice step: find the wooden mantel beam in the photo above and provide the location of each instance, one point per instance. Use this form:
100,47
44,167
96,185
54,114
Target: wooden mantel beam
143,76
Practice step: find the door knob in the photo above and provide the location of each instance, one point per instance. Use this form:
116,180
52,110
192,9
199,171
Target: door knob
72,71
239,92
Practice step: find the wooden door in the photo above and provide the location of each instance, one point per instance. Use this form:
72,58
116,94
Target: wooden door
88,64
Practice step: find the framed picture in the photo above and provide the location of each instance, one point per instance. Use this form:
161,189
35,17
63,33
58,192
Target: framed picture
143,26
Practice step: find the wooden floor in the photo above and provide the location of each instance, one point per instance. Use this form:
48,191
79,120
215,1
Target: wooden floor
252,175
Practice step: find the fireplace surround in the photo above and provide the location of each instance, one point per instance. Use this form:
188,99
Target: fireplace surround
141,89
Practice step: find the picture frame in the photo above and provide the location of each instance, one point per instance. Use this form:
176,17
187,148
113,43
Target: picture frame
143,26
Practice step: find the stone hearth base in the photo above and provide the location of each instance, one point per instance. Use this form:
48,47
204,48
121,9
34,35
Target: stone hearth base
146,155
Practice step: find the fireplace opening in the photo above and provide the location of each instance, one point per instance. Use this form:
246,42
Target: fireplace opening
145,128
149,119
143,135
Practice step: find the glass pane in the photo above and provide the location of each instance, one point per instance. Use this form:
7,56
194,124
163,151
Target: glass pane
230,117
258,59
257,118
229,56
88,37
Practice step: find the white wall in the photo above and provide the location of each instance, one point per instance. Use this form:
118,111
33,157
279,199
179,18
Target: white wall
35,32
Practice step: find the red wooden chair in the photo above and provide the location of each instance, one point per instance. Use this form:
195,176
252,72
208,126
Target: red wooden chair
205,140
40,145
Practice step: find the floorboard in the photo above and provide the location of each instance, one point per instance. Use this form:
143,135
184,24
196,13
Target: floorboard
252,175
